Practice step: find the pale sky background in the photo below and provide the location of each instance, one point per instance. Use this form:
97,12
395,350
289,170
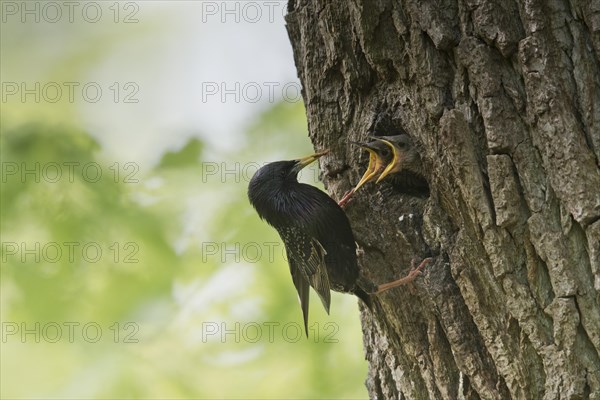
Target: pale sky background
197,46
171,54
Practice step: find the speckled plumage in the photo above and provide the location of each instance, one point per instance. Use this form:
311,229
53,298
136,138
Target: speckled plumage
316,232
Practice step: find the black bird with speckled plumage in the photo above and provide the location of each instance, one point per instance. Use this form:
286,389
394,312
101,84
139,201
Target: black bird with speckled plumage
318,239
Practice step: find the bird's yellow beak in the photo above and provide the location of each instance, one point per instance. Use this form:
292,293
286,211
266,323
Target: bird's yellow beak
394,165
371,168
303,162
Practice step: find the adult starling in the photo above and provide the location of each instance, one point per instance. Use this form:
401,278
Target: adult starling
380,155
319,242
318,239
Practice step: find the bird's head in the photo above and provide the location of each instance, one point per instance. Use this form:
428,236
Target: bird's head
404,155
270,180
282,171
377,149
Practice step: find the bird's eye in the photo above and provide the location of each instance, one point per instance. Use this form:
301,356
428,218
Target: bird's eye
385,152
402,145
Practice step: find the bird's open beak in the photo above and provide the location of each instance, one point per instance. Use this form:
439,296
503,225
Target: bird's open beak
394,165
372,168
303,162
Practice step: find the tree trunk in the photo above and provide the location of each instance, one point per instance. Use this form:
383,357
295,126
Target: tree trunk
503,99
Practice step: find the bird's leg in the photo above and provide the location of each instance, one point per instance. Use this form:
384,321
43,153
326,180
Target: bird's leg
414,272
346,198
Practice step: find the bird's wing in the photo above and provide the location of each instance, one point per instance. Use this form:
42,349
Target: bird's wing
306,257
302,287
320,279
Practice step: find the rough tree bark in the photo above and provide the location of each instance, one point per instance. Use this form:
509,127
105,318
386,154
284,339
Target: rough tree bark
503,99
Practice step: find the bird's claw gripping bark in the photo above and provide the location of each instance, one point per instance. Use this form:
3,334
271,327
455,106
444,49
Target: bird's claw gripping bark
416,270
412,275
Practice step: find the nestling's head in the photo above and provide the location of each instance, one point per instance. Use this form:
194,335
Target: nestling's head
405,156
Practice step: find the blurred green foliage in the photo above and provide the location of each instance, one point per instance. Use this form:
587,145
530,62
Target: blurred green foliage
121,280
183,258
